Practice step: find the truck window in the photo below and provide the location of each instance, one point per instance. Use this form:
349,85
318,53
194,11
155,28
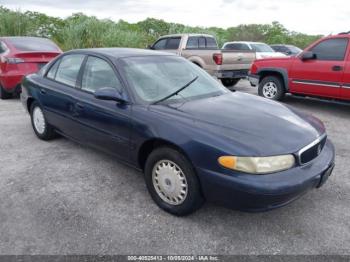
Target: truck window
211,43
173,43
237,46
192,42
201,42
160,44
331,49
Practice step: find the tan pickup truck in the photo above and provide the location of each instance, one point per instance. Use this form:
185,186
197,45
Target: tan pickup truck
227,65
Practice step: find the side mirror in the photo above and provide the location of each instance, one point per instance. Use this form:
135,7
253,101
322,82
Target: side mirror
150,47
308,56
109,93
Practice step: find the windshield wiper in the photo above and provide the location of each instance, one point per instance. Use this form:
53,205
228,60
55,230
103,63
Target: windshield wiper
176,92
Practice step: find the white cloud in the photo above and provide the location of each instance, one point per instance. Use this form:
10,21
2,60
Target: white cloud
308,16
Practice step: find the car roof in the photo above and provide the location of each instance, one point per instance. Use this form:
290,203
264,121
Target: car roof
22,37
116,53
244,42
180,35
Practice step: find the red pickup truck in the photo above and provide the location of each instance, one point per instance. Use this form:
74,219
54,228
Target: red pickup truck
321,70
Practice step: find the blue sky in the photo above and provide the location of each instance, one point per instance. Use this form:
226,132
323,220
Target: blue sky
307,16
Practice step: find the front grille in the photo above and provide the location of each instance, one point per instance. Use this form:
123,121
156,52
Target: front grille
312,151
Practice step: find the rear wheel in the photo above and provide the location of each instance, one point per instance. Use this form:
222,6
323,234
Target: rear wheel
271,87
42,128
172,182
4,94
229,82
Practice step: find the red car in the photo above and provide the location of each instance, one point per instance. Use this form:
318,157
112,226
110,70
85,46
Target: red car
20,56
321,70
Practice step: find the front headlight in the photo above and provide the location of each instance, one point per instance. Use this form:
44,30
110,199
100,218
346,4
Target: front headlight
258,165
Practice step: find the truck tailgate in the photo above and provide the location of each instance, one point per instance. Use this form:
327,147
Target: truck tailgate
237,60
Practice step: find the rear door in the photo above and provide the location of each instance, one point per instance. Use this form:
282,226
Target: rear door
105,124
58,91
321,76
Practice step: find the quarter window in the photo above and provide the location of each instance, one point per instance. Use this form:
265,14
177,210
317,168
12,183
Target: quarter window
68,69
98,74
331,49
52,72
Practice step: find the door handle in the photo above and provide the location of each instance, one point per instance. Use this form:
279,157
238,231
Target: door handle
79,106
337,68
77,109
42,91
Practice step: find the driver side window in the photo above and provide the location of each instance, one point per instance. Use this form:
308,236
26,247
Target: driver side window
331,49
98,74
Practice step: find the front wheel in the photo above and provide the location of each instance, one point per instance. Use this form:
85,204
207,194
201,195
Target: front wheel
42,128
271,87
229,82
172,182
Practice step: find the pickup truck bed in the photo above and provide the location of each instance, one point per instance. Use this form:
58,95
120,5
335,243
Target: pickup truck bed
228,65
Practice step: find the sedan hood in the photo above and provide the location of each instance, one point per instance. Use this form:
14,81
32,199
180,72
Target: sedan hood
256,125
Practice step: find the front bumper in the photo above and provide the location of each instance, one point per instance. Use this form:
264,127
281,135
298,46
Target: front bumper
254,79
236,74
264,192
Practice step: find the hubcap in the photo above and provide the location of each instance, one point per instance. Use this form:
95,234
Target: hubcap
270,90
39,120
169,182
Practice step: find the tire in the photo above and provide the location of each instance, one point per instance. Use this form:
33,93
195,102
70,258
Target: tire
3,94
182,183
272,87
229,82
41,127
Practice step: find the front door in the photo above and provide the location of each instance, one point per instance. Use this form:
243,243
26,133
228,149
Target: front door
321,76
105,124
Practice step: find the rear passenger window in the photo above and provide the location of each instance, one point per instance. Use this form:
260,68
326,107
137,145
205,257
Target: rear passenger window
68,69
192,42
99,74
173,43
331,49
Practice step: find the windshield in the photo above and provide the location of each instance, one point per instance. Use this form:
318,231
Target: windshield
33,44
294,49
154,77
262,48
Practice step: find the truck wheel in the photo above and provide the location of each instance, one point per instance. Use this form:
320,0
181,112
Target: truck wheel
172,182
4,94
229,82
271,87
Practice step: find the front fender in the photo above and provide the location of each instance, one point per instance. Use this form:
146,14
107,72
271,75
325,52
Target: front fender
280,71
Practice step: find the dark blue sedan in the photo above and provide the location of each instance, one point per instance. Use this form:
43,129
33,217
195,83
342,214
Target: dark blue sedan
193,139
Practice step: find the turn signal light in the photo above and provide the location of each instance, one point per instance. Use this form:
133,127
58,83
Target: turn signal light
228,161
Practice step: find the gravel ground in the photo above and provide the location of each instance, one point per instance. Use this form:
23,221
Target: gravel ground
62,198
